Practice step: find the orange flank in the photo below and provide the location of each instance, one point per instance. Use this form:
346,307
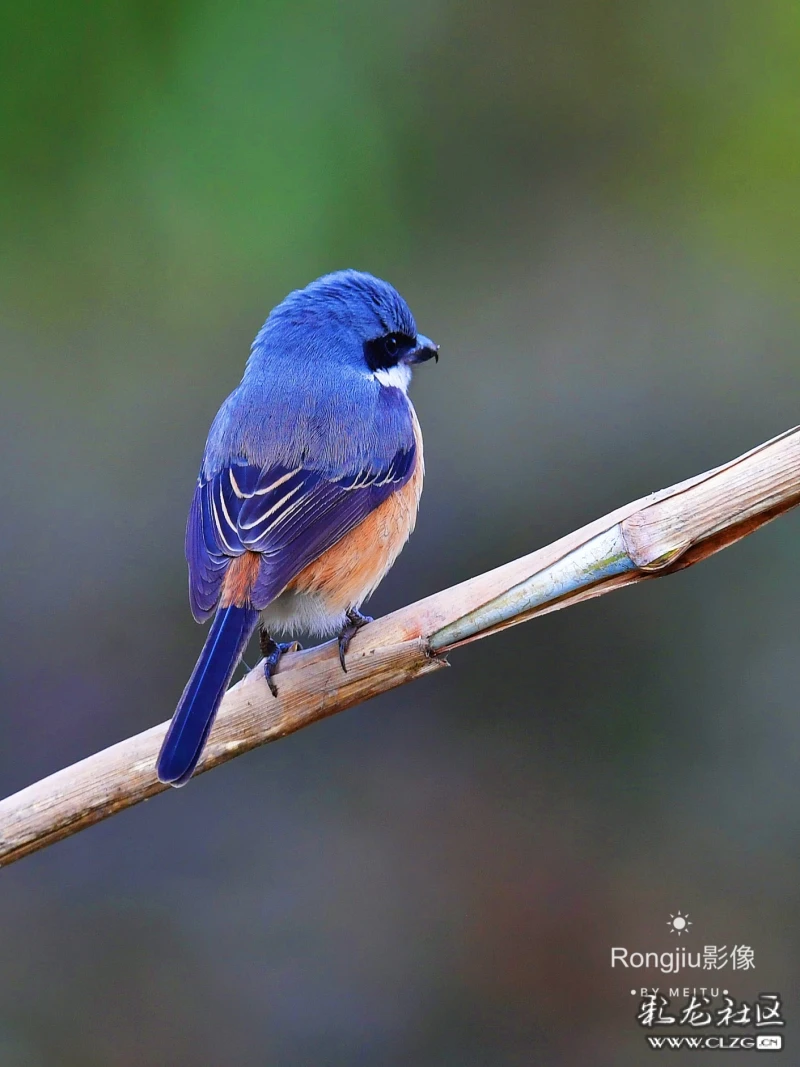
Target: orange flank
346,574
350,570
239,579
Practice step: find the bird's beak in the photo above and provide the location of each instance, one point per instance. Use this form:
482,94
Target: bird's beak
424,350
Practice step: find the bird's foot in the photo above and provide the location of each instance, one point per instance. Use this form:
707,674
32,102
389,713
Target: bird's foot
272,652
355,620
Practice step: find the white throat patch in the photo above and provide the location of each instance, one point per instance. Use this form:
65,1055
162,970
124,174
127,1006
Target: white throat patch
397,377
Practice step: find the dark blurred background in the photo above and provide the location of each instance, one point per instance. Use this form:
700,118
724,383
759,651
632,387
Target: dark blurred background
593,207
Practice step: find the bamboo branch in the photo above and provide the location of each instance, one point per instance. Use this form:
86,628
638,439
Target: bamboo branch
654,536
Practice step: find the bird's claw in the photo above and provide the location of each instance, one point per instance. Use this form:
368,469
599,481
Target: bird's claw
355,620
272,652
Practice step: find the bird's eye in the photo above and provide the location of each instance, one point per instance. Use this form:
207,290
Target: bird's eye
387,350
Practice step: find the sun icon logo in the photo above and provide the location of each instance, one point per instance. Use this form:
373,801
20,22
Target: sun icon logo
678,924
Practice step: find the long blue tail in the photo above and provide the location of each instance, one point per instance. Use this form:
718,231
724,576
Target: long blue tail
227,639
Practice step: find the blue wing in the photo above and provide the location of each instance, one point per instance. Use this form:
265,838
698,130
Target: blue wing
290,515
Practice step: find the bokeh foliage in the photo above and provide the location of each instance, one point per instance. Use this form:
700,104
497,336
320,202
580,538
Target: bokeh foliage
151,151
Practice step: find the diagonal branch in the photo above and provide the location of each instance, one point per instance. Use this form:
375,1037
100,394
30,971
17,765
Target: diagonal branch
656,535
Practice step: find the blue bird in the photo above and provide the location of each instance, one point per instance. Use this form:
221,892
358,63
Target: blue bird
308,488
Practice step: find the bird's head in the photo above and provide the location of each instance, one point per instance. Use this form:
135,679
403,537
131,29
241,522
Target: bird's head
350,319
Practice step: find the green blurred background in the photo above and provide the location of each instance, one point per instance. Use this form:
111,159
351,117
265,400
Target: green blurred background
594,209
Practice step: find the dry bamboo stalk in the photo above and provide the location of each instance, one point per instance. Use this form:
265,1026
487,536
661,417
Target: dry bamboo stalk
656,535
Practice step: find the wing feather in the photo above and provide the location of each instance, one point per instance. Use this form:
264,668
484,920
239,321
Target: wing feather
289,515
